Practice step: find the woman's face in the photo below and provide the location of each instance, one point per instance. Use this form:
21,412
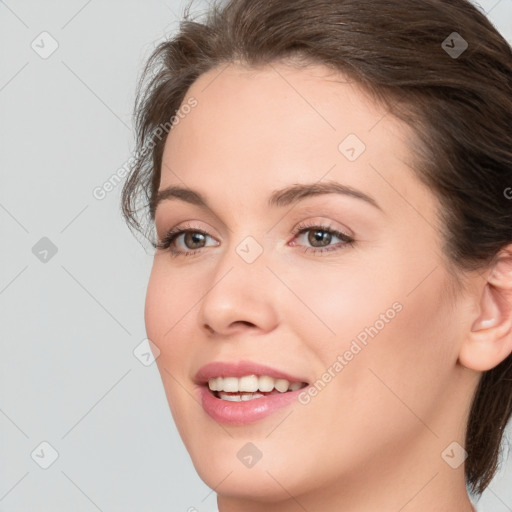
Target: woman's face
263,279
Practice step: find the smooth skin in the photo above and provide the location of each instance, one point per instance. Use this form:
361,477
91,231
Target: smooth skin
373,437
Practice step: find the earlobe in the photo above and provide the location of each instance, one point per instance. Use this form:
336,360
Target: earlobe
489,341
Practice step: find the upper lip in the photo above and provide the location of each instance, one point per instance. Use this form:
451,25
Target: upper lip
240,369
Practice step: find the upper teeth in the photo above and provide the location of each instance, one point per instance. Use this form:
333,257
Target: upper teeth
252,383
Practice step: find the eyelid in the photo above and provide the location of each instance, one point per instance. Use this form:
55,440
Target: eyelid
184,226
330,225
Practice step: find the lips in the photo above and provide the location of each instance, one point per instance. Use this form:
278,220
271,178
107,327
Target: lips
230,394
240,369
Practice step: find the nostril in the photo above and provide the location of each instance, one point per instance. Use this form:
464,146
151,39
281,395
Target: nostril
245,323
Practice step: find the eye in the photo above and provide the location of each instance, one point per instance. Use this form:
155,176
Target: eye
321,236
193,239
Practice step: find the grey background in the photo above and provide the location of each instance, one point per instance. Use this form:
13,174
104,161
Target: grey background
69,325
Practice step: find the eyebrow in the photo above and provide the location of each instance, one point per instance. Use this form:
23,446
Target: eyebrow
278,199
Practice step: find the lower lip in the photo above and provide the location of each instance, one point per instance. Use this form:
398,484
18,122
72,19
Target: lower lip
244,413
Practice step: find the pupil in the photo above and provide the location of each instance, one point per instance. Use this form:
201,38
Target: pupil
192,238
318,236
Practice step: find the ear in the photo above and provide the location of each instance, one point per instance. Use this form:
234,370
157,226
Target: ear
490,340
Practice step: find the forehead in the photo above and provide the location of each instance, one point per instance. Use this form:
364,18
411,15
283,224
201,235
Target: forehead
260,129
279,100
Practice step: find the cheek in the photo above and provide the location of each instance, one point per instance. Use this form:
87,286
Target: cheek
387,395
404,366
169,302
156,310
168,313
167,316
397,342
334,305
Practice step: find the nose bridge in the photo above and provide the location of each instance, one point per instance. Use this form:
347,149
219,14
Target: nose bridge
246,255
241,288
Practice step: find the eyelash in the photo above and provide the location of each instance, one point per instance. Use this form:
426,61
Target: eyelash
166,243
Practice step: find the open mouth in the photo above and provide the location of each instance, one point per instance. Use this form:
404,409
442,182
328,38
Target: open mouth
250,387
244,392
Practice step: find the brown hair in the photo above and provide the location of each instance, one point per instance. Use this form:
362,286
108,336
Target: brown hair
460,107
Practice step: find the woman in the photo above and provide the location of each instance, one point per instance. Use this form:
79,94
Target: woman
331,295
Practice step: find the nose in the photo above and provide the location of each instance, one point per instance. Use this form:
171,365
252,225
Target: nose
239,297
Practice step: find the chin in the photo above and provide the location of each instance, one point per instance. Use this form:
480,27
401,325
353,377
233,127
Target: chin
221,466
255,484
